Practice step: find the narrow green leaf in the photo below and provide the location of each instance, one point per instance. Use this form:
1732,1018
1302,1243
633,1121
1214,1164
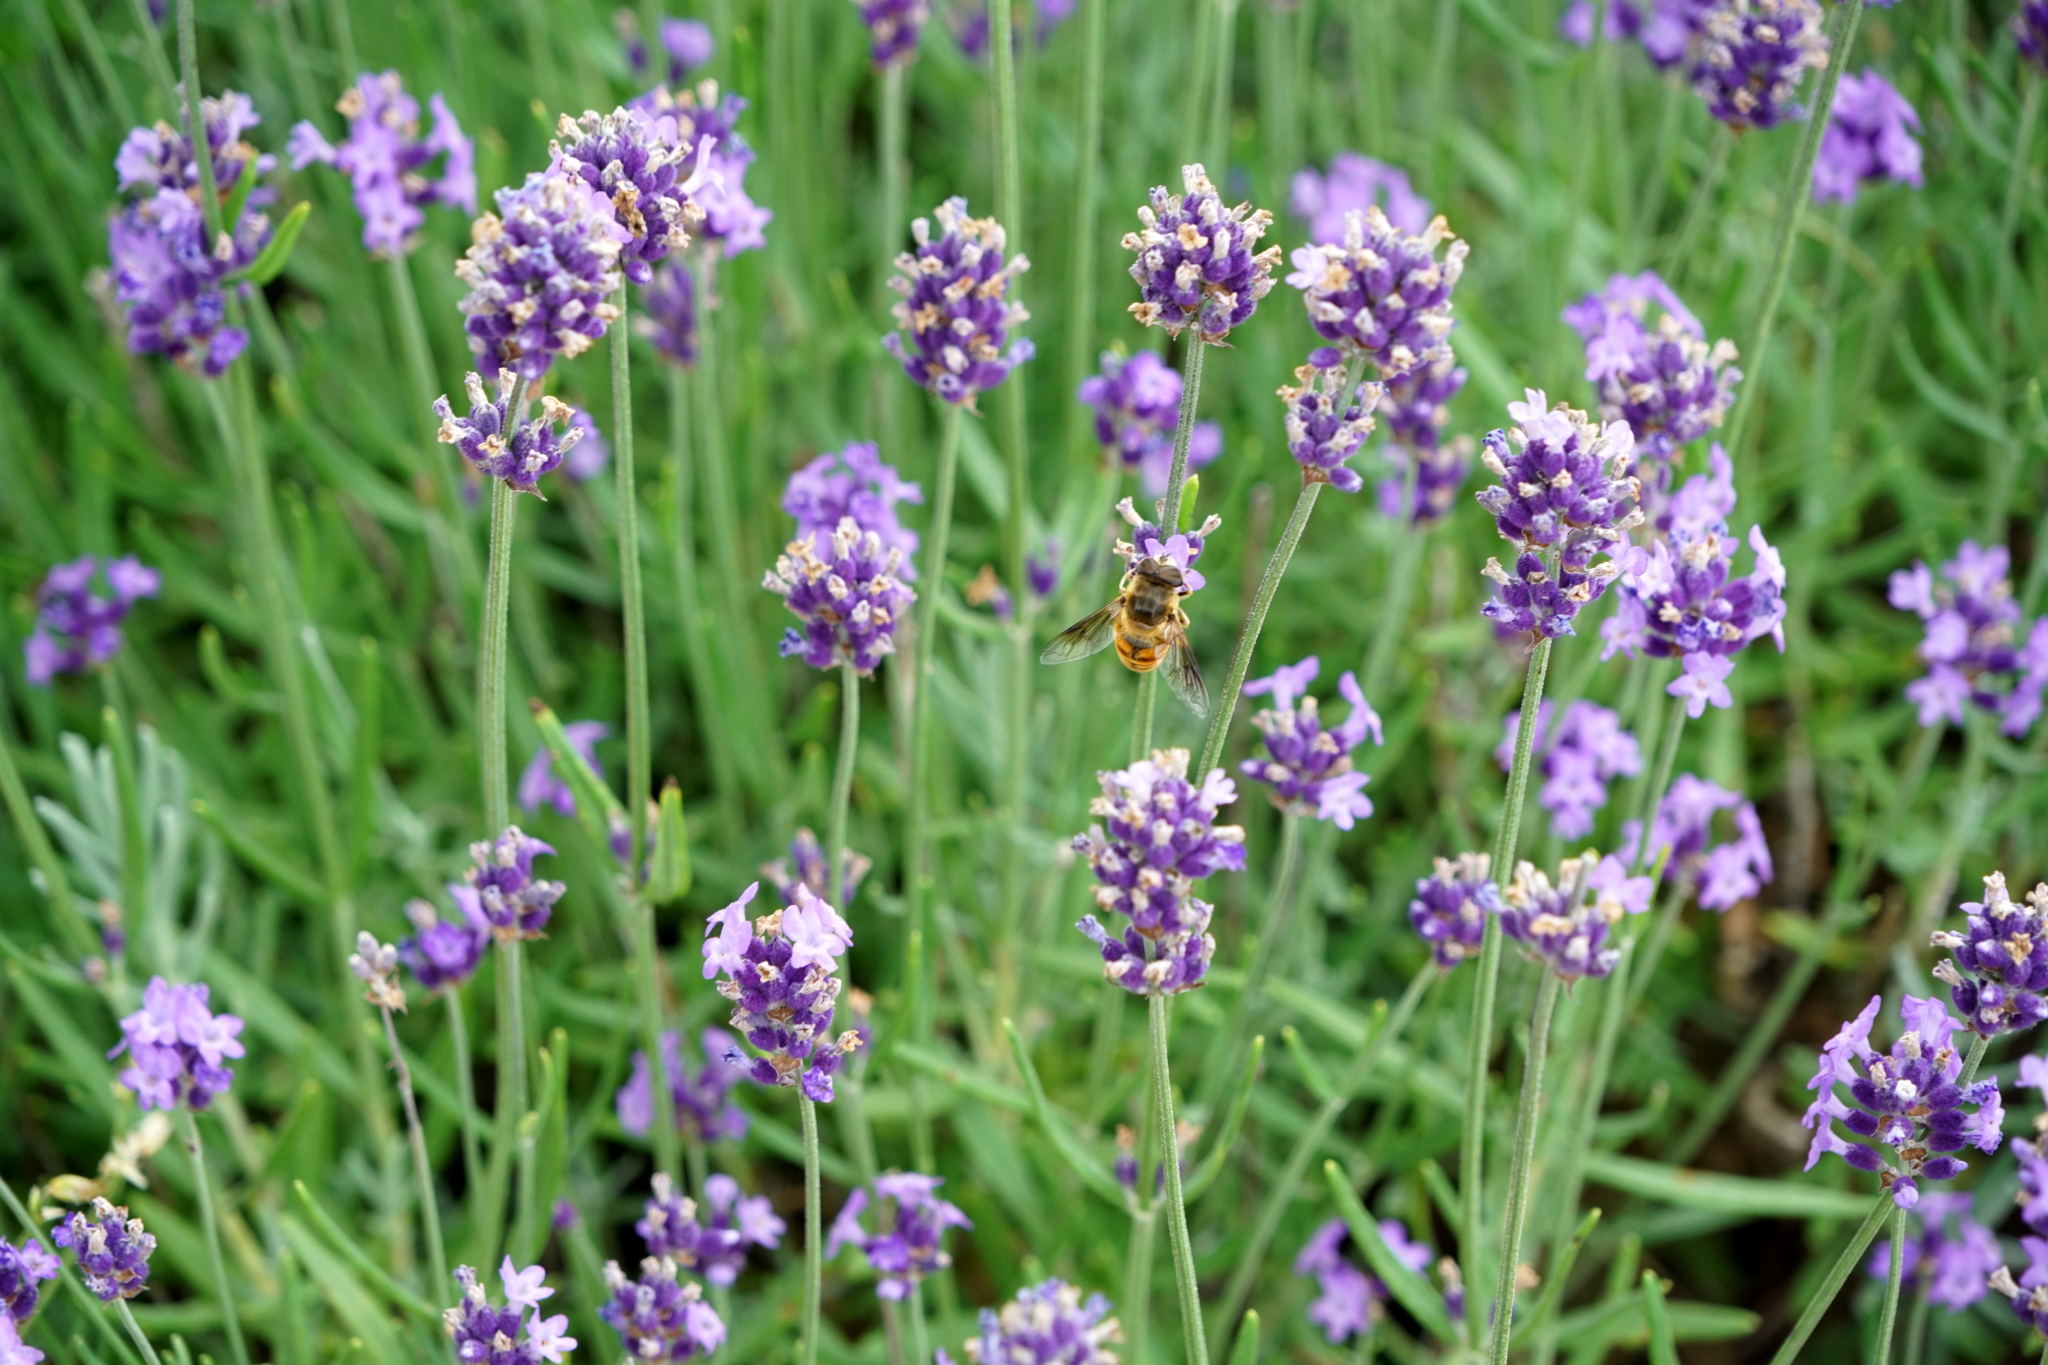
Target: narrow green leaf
669,878
343,1291
1246,1352
1064,1142
1559,1275
262,861
271,263
1312,1074
1723,1193
1663,1350
1190,490
1409,1289
596,807
1212,1164
344,1243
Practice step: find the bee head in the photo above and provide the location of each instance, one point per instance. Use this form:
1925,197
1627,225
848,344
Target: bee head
1162,570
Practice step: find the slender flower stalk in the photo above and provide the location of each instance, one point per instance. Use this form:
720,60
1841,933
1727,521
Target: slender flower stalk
202,1182
920,1329
135,1333
814,1232
842,781
1516,1214
1248,634
376,965
1137,1301
465,1093
1193,1332
704,690
1838,1274
639,740
1888,1313
917,875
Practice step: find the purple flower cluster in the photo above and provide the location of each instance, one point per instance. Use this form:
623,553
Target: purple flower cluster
1161,838
541,272
1952,1269
484,1335
956,311
499,894
1046,1324
1577,758
1137,406
1328,420
1566,926
534,449
1665,28
1415,410
1196,265
440,955
633,158
1564,496
1622,22
1350,1300
1999,974
686,44
781,977
2028,1296
2030,32
668,313
1181,549
849,604
700,1105
1355,183
177,1048
660,1316
77,627
112,1250
1972,626
1753,55
538,785
911,1249
714,1247
21,1268
808,866
384,158
1727,873
1665,380
1451,905
1308,767
1870,136
894,27
592,454
731,217
1381,292
855,483
169,277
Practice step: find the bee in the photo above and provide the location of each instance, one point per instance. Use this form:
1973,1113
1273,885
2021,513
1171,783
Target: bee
1148,627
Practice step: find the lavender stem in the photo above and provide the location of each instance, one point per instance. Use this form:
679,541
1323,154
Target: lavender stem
632,600
1136,1312
920,1334
814,1235
127,1316
1193,1332
202,1182
704,692
842,783
1516,1214
1838,1274
1190,399
465,1091
423,1172
1888,1315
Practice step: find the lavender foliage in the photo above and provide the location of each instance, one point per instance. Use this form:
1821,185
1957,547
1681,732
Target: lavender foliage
956,313
782,978
77,627
1307,766
1196,266
385,160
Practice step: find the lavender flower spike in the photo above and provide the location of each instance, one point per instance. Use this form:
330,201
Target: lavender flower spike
1415,410
440,955
1566,926
111,1248
731,218
1137,402
660,1316
1998,977
2029,1296
715,1249
700,1103
1753,55
177,1047
1327,421
384,158
484,1335
1307,766
1046,1324
1182,548
499,895
1971,649
633,158
76,627
1450,907
782,979
956,312
1870,136
894,27
1354,184
1577,758
850,604
668,313
20,1270
541,272
534,448
1665,380
853,482
1382,293
911,1249
1196,266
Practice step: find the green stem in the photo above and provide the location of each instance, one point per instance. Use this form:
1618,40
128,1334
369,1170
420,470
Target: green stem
639,738
1888,1314
1192,1331
1916,1329
1190,399
465,1092
814,1235
153,47
892,138
422,1169
704,690
122,1311
1472,1142
1517,1211
1248,635
1978,1047
1086,216
195,127
1141,716
662,1128
1676,892
842,782
1217,141
142,926
1652,794
202,1183
920,1331
1838,1275
491,654
1136,1311
511,1100
1701,202
1408,539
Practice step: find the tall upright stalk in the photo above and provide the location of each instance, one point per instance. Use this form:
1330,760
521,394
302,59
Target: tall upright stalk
893,153
814,1232
1193,1333
842,784
135,1334
1838,1275
465,1094
1408,540
422,1168
1136,1311
1888,1311
689,593
1254,622
639,739
1086,212
202,1183
1516,1212
1183,431
1652,794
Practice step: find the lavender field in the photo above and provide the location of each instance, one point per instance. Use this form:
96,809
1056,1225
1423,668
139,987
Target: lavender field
975,682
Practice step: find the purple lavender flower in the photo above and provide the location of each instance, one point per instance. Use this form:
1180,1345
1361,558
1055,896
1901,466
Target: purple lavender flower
731,218
2030,32
440,955
782,980
1162,838
635,159
1042,566
2033,1172
592,454
1182,549
538,785
384,158
1415,410
1972,625
955,313
1578,759
1564,496
894,27
751,1218
685,43
12,1350
535,448
1665,381
1137,407
850,604
855,483
484,1335
660,1316
1670,28
1870,136
1046,1324
1195,265
1308,767
1566,926
1752,56
812,870
112,1250
1951,1269
716,1248
668,313
1680,830
701,1107
160,157
1909,1101
1328,420
177,1047
76,627
1999,973
911,1249
1351,1300
1355,183
20,1270
541,272
1450,907
1622,22
2029,1297
1382,293
499,894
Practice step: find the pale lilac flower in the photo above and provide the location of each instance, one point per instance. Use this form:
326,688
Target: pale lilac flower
441,955
177,1047
849,604
1196,265
20,1270
1870,136
853,482
809,864
385,159
1450,907
1622,22
534,449
668,312
686,44
592,454
2029,1297
1972,644
700,1103
956,313
484,1335
910,1250
1354,184
894,27
538,785
1566,926
1415,410
541,274
637,159
76,627
1577,759
499,894
1950,1268
782,1004
1328,419
1137,408
732,220
1662,378
1307,766
13,1351
1350,1301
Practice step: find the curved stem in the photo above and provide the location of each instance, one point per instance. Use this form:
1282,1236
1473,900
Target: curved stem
422,1169
639,740
1838,1275
1135,1313
814,1245
920,1332
127,1316
1248,635
1888,1314
202,1184
1516,1213
842,782
1183,431
1192,1329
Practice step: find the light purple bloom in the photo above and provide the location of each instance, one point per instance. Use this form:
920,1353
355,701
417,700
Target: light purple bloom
1415,410
2029,1297
1663,379
499,895
1752,56
811,870
177,1048
716,1247
1046,1324
1181,549
385,158
668,312
1998,977
855,483
20,1270
1972,644
484,1335
1307,766
112,1250
1196,265
538,785
13,1351
1355,183
541,272
956,313
1350,1300
850,604
76,627
1566,926
1577,759
1670,28
1450,907
894,27
636,159
782,1005
1380,292
1137,407
441,955
1951,1268
1328,420
731,217
1679,833
1870,136
592,454
1622,22
917,1218
701,1104
535,448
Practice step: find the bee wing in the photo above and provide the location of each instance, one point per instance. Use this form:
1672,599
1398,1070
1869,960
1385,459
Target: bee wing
1184,677
1089,635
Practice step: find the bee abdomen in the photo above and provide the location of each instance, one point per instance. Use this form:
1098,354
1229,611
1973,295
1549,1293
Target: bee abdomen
1138,658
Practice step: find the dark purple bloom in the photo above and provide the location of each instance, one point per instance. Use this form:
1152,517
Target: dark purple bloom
668,313
782,979
1973,625
538,785
701,1103
499,894
1999,973
1196,266
1355,183
1577,759
1380,292
1451,905
1182,549
811,869
1566,926
535,448
1870,136
1042,566
1137,407
731,217
660,1316
77,627
715,1248
1951,1269
20,1270
541,272
636,159
956,312
1046,1324
1328,420
111,1249
177,1047
850,604
1665,381
910,1249
1752,56
1909,1101
484,1335
440,955
2030,32
893,28
855,483
1162,838
1350,1301
384,158
1564,496
1307,766
1622,22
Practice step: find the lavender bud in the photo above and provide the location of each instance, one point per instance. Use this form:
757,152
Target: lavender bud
850,605
782,979
1753,55
499,894
1307,766
2030,32
668,313
112,1250
541,272
894,27
1137,407
1665,381
1355,183
2001,961
534,448
77,628
1327,421
633,158
1046,1324
1195,263
1566,926
700,1103
507,1336
1382,293
441,956
1450,907
955,314
385,159
812,870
